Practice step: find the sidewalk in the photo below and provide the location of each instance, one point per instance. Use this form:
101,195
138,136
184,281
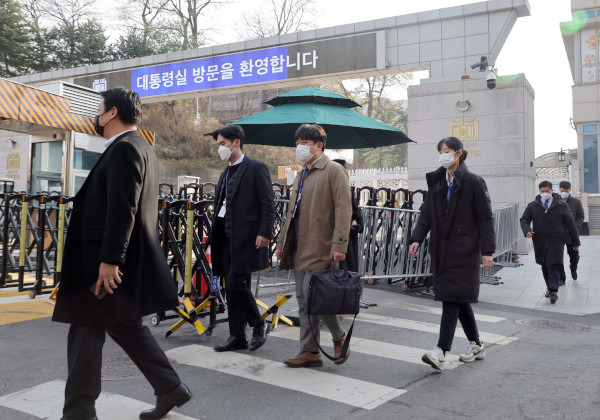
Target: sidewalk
524,286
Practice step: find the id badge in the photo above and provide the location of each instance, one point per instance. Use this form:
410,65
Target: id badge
222,210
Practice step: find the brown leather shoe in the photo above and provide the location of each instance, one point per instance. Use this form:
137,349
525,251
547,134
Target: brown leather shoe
305,359
337,348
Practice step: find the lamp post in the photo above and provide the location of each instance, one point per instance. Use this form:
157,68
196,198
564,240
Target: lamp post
561,155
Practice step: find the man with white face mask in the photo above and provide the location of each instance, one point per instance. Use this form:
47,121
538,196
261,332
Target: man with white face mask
551,217
241,232
316,231
577,210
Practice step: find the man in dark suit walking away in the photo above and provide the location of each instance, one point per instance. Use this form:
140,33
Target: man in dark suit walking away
241,233
114,271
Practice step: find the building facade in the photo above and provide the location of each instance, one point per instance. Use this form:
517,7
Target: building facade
580,36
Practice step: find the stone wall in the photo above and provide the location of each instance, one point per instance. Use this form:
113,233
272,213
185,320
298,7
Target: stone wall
497,130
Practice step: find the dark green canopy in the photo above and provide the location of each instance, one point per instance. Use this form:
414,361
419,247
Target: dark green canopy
345,128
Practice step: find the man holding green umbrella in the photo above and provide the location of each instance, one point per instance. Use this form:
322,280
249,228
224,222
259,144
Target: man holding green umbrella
315,232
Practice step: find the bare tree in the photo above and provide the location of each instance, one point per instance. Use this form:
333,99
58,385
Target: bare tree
280,17
188,13
67,12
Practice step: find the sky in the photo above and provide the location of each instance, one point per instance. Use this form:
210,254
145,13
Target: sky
534,47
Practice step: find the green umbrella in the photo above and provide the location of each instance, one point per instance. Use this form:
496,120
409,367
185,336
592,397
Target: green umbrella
345,128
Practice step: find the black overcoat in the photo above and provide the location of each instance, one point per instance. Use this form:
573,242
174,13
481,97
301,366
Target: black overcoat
114,220
578,214
250,211
460,233
549,228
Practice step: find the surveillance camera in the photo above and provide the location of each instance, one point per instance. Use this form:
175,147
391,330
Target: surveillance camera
491,79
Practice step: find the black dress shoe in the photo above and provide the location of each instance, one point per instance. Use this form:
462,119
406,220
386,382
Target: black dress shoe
73,418
573,273
166,402
259,336
233,343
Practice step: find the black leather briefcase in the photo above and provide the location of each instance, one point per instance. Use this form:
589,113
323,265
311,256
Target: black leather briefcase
334,292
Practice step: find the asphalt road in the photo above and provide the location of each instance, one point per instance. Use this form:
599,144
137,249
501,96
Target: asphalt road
539,365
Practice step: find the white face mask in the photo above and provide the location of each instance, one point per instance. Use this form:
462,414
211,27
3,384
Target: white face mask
564,195
303,153
447,159
545,196
225,152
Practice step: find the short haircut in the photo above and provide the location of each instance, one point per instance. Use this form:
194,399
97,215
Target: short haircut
454,144
312,132
127,102
565,185
231,132
340,161
544,184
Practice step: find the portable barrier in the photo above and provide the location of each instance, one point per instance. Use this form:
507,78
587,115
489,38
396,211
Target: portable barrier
34,225
383,247
506,226
32,235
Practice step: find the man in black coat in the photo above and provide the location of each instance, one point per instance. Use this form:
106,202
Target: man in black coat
550,217
578,214
356,228
114,271
242,228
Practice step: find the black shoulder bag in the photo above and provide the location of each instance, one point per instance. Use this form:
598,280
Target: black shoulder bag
334,292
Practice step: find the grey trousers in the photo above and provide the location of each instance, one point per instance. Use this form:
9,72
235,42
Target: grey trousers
307,341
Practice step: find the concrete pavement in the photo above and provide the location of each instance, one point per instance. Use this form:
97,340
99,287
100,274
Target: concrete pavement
524,286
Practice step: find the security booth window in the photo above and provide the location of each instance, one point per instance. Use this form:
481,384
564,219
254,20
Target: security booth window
46,170
85,160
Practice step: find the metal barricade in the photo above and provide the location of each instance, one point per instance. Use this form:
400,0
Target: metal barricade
506,227
383,247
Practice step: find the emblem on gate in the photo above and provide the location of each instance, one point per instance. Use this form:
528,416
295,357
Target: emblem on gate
467,129
100,85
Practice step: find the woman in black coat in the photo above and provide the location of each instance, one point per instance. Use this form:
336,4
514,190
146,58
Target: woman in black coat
458,214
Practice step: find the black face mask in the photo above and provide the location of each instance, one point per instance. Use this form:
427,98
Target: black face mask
99,129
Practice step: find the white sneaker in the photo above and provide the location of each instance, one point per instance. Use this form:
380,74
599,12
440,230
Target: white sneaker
435,358
473,352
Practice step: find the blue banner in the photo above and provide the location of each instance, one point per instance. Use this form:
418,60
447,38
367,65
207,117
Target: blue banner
221,71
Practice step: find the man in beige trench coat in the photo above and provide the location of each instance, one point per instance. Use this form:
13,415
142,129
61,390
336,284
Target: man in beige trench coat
315,232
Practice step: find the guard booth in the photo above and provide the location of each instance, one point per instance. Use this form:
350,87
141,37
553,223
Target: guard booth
47,137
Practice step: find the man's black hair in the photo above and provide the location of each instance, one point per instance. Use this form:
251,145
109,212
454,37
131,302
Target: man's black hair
453,144
544,184
312,132
340,161
565,184
231,132
127,102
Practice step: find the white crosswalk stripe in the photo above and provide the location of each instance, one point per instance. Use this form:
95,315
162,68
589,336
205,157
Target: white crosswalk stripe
349,391
108,406
438,311
315,382
489,338
371,347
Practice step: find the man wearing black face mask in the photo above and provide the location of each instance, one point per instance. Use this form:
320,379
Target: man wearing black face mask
114,271
551,217
240,235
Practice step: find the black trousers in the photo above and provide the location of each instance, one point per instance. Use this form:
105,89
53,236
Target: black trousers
551,274
573,261
241,305
452,312
84,356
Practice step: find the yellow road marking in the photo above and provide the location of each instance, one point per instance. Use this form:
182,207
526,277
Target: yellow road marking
11,313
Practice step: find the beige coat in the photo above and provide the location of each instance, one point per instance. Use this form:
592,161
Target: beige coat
325,217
